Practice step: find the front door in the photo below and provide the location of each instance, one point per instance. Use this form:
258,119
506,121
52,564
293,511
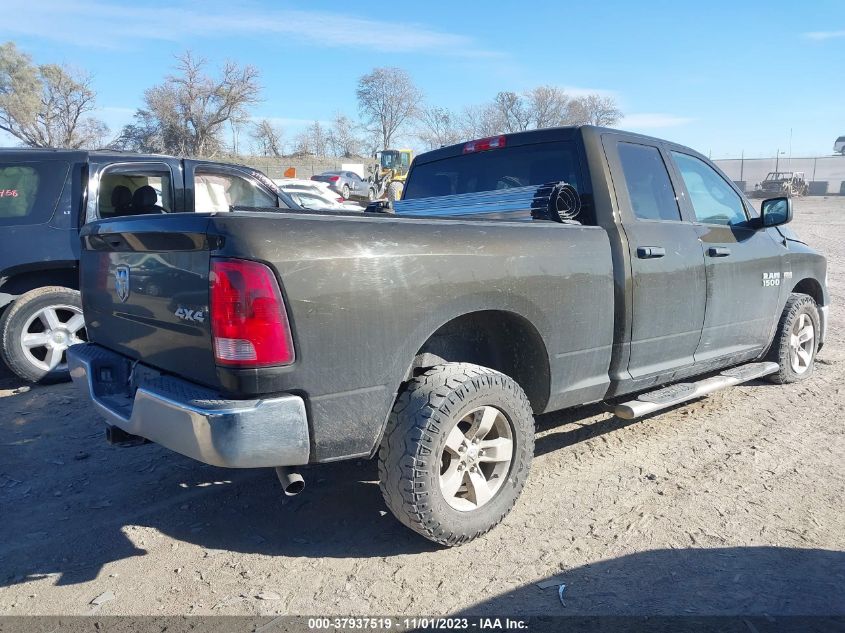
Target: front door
667,268
742,264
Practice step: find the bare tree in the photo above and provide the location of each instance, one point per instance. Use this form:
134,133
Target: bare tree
187,114
594,109
512,111
343,137
46,105
540,107
313,141
387,98
480,120
438,127
548,107
268,137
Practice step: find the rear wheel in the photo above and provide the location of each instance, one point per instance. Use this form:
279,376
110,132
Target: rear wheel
796,340
457,451
36,331
345,192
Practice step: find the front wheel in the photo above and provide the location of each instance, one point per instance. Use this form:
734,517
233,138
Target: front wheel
36,331
796,340
456,452
394,191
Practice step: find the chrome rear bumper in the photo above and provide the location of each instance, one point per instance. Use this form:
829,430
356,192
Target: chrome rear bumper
190,419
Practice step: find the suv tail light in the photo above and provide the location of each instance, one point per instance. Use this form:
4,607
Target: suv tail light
249,323
483,144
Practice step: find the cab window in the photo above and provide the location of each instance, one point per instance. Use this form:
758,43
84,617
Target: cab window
647,181
713,200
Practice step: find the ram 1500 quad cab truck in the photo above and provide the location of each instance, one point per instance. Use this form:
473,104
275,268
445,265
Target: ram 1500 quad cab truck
47,195
519,274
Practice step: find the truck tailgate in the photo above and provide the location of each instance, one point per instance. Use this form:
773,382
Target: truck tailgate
145,291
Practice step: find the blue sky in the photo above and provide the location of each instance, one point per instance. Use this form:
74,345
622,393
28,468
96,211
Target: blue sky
719,76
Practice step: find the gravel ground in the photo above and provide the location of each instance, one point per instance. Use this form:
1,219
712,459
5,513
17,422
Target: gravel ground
730,504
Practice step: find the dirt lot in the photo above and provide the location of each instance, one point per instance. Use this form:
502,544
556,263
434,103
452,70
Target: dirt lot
731,504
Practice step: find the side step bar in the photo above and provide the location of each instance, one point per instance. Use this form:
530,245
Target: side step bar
681,392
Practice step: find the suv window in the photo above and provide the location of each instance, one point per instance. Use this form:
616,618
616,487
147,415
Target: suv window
127,191
220,191
29,191
713,200
506,168
647,180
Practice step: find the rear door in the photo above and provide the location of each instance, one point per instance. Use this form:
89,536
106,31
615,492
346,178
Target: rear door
38,212
667,268
743,265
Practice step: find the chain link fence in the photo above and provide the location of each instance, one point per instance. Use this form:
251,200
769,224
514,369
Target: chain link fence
825,174
305,166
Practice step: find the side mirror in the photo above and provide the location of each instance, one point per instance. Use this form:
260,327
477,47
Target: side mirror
775,212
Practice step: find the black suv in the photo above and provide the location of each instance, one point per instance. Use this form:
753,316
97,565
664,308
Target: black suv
47,195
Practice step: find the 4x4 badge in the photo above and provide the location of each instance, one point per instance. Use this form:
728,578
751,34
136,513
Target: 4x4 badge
121,283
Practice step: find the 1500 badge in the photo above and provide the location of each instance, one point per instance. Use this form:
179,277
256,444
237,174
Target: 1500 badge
186,314
771,279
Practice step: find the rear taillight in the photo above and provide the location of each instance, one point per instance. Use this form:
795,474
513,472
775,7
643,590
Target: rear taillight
483,144
249,323
334,178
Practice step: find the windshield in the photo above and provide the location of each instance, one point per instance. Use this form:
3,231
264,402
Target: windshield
779,175
394,160
505,168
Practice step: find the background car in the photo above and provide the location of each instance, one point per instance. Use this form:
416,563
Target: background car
314,200
347,183
300,184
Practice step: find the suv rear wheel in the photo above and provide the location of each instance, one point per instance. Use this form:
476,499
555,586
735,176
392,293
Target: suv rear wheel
456,452
36,331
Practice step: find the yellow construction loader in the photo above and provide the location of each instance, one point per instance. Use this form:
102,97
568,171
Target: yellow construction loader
388,173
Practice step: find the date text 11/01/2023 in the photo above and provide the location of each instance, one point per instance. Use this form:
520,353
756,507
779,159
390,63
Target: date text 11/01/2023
415,623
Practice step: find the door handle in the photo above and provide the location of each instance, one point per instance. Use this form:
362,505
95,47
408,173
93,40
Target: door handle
718,251
650,252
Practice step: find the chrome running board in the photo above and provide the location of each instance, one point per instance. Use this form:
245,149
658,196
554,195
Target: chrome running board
681,392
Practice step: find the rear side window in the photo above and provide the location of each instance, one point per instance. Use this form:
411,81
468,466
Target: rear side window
505,168
29,191
125,191
647,181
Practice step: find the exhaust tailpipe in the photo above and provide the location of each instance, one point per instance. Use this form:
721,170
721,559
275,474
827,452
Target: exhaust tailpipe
118,437
292,483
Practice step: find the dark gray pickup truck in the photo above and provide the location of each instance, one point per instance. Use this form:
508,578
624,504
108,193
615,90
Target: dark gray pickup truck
519,274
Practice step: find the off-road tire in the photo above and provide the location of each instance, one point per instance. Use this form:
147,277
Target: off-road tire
409,455
779,352
13,321
394,191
